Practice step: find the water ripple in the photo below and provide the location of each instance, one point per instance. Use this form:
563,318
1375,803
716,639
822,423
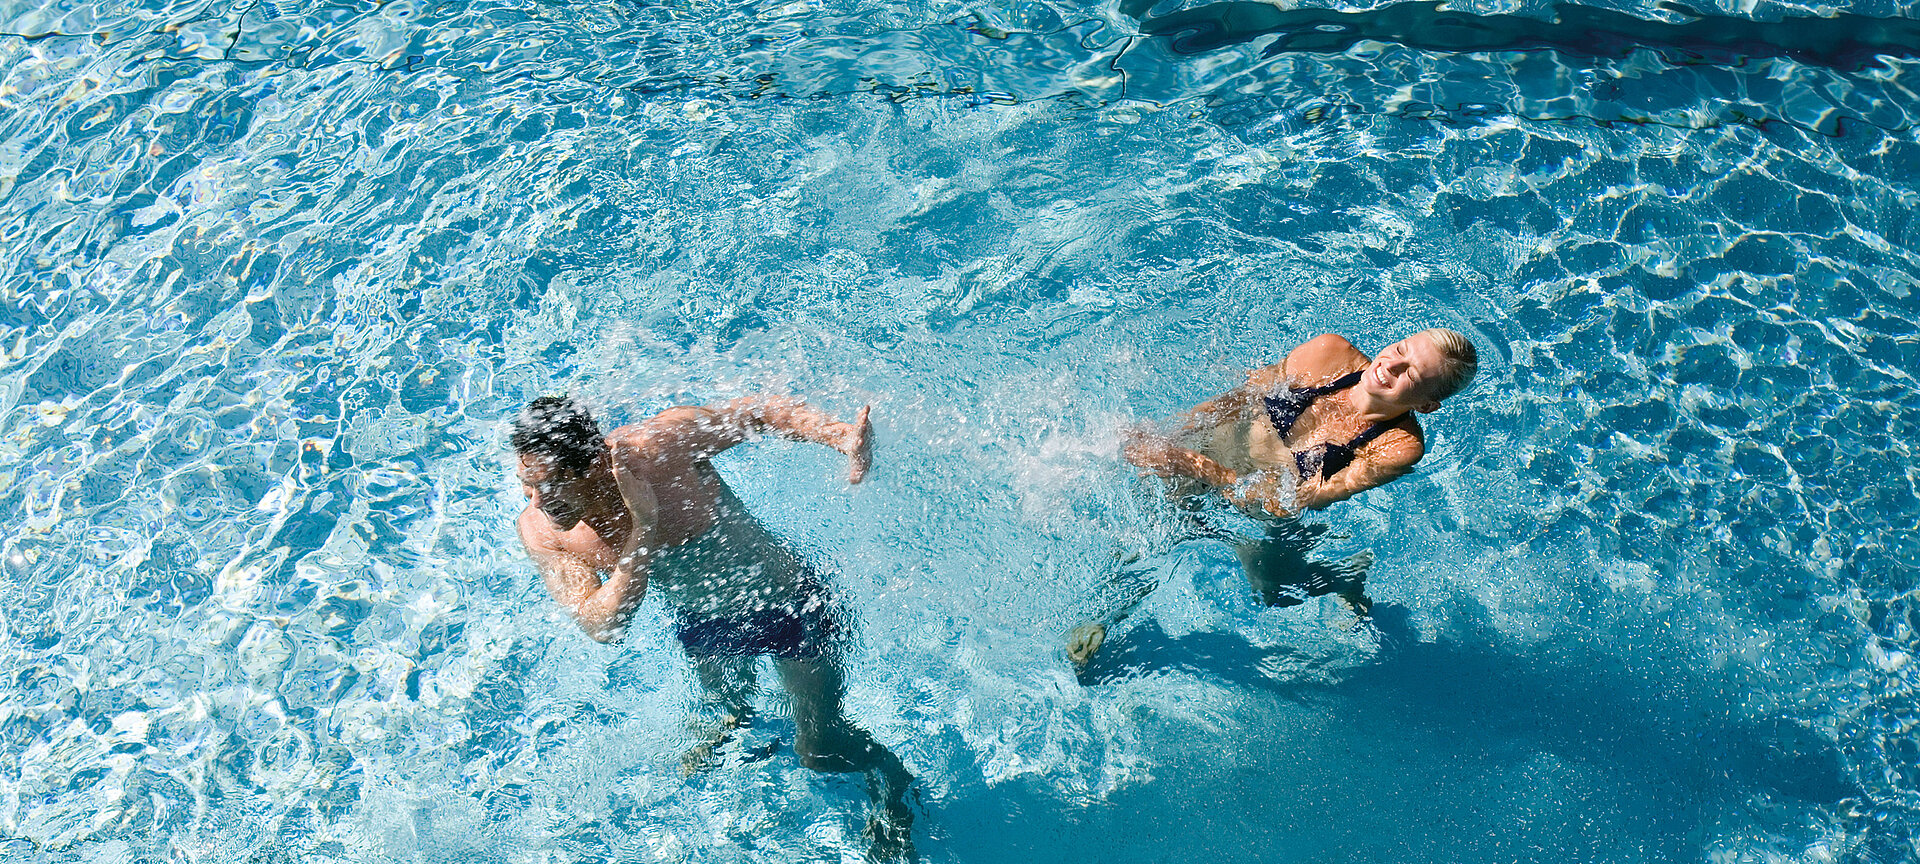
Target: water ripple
270,275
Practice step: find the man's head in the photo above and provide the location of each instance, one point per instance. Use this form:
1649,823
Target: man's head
1421,370
559,445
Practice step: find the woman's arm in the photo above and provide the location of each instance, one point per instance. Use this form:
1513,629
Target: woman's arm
1158,456
1372,467
1258,492
1228,407
1327,355
1237,404
1261,491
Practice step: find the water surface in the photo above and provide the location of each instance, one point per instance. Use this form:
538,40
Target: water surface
274,275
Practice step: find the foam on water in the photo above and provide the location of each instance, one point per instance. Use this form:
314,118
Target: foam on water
274,276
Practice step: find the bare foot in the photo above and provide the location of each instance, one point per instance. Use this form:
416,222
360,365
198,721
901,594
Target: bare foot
700,758
890,834
1084,641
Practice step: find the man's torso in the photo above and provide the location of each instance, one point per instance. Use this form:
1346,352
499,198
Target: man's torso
711,556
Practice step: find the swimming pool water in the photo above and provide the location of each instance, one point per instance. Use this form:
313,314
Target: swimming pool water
275,273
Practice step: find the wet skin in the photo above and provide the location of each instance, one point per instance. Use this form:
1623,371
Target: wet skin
1228,445
595,533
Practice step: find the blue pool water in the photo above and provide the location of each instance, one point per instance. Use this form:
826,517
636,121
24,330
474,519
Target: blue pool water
275,274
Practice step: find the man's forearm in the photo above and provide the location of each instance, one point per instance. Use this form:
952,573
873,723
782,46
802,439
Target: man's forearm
605,612
790,418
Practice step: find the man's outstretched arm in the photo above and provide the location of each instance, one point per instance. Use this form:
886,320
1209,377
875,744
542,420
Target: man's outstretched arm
701,432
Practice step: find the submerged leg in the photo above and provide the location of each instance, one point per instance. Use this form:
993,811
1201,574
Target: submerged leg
727,687
1130,583
1352,592
1281,573
826,741
1170,514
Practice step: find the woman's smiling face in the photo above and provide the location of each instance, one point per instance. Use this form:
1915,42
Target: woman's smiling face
1405,373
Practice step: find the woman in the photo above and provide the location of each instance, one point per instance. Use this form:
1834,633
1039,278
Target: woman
1322,425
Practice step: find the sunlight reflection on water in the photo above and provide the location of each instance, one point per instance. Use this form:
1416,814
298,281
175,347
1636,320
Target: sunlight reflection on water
269,295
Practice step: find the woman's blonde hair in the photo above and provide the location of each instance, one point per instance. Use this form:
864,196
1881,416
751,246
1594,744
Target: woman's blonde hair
1458,360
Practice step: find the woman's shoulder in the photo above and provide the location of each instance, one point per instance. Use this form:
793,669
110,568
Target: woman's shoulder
1310,364
1322,359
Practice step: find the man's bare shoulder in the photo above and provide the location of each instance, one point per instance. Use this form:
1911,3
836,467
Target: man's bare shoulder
666,430
678,415
635,432
644,439
1323,357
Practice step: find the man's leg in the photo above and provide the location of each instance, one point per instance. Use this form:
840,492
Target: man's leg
825,741
727,686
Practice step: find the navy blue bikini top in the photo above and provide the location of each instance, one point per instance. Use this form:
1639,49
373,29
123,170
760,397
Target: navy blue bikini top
1325,459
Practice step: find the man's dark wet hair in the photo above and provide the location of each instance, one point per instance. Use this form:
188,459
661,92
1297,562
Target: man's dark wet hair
558,429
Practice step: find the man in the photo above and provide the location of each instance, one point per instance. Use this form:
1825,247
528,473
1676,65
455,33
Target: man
609,518
1323,425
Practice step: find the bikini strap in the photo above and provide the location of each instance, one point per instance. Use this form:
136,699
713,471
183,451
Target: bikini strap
1284,410
1337,384
1329,458
1371,433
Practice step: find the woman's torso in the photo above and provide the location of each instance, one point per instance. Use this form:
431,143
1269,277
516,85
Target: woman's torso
1247,441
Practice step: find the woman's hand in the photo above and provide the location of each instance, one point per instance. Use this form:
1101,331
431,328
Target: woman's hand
1159,456
1148,452
1258,493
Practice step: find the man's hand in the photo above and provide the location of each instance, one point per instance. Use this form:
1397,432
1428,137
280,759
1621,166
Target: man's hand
605,611
857,443
710,430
